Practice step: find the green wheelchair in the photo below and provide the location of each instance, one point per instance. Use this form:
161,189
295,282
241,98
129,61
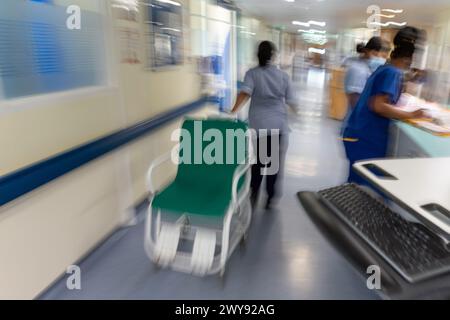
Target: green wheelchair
194,224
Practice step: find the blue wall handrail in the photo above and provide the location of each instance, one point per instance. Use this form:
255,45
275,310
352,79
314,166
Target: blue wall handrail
22,181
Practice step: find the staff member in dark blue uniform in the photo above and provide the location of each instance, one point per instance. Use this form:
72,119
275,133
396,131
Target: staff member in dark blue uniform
366,133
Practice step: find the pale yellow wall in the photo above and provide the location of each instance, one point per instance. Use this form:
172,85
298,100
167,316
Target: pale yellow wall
49,229
37,132
149,93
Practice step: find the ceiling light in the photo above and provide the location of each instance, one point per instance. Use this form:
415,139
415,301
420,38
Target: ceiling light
392,10
317,31
303,24
315,50
312,31
289,0
399,24
317,23
309,23
248,32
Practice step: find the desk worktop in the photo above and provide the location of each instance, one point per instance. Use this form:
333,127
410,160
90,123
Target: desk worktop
415,183
433,145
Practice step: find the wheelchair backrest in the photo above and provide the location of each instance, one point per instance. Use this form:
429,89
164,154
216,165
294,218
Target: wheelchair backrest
211,150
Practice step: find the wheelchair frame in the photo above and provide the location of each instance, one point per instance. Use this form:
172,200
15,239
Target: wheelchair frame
239,206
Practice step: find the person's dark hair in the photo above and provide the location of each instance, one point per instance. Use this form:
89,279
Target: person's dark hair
407,34
404,42
266,50
360,47
375,43
403,50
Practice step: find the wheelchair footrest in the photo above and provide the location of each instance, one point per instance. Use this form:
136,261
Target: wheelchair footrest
167,244
203,252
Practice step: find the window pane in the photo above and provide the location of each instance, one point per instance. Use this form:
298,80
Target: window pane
39,54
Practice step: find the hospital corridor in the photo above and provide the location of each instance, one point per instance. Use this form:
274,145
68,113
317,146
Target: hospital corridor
285,257
224,157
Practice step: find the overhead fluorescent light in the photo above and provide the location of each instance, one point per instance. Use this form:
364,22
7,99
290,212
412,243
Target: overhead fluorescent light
315,50
248,32
309,23
174,3
312,31
318,23
317,31
289,0
392,10
398,24
303,24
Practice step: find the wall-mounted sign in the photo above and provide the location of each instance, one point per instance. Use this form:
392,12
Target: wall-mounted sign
165,23
129,40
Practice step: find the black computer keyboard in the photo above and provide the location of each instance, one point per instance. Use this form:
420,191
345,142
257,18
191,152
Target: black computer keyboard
414,251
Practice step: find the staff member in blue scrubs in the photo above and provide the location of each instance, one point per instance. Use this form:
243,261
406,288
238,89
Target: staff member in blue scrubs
360,70
366,132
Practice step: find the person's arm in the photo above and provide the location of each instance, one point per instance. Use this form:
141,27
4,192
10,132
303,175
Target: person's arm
354,82
241,99
352,99
245,93
380,104
387,84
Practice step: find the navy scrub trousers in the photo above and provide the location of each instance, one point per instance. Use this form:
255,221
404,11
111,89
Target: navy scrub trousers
357,150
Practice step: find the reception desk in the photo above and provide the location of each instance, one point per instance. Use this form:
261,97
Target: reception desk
408,141
338,100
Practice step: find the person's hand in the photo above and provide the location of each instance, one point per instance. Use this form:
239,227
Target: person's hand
228,114
418,114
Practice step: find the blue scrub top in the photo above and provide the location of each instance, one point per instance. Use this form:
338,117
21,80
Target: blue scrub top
364,124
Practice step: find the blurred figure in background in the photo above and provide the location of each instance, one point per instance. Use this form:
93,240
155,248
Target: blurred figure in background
300,66
349,60
360,70
366,132
270,89
372,57
385,50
